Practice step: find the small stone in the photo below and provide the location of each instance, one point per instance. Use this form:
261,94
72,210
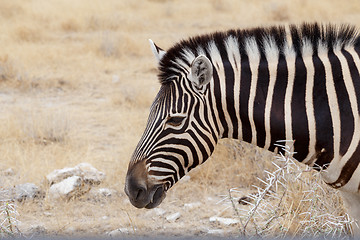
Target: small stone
106,192
118,232
216,231
173,217
224,221
193,205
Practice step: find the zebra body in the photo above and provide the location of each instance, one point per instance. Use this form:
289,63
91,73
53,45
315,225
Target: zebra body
262,85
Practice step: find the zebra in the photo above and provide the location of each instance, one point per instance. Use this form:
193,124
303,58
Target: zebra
260,85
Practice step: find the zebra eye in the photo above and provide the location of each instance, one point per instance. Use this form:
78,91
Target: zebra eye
175,121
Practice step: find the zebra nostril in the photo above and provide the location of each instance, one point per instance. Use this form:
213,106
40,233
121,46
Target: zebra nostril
139,193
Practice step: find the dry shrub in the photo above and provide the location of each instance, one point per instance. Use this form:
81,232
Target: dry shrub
292,200
8,220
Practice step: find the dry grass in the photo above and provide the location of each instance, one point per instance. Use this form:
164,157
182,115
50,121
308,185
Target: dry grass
77,79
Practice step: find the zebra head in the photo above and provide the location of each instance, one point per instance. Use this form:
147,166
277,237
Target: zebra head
178,136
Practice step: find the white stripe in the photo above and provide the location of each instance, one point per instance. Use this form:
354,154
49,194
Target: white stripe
272,56
307,52
219,66
334,110
232,49
253,53
290,56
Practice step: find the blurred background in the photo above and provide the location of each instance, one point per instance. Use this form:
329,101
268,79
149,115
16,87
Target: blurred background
77,79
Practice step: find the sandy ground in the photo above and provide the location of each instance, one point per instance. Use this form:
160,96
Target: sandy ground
77,79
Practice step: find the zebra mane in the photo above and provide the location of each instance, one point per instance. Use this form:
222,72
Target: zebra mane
297,38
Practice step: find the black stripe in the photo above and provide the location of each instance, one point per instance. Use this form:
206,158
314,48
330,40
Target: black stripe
185,102
346,116
219,108
229,87
300,128
244,97
180,101
163,165
277,120
324,127
260,100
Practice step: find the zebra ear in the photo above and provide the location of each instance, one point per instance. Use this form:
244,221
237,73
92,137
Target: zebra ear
158,52
201,71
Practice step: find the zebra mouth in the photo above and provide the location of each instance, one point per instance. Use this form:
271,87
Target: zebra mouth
157,195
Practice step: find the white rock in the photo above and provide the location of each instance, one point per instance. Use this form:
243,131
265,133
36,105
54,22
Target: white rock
118,232
90,174
67,188
85,170
173,217
193,205
61,174
225,221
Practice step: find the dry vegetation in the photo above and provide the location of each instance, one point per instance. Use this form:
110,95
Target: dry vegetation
76,82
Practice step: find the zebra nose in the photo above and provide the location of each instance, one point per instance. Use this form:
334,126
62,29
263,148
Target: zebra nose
137,194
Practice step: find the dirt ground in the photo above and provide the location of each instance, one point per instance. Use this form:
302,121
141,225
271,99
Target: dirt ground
77,79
